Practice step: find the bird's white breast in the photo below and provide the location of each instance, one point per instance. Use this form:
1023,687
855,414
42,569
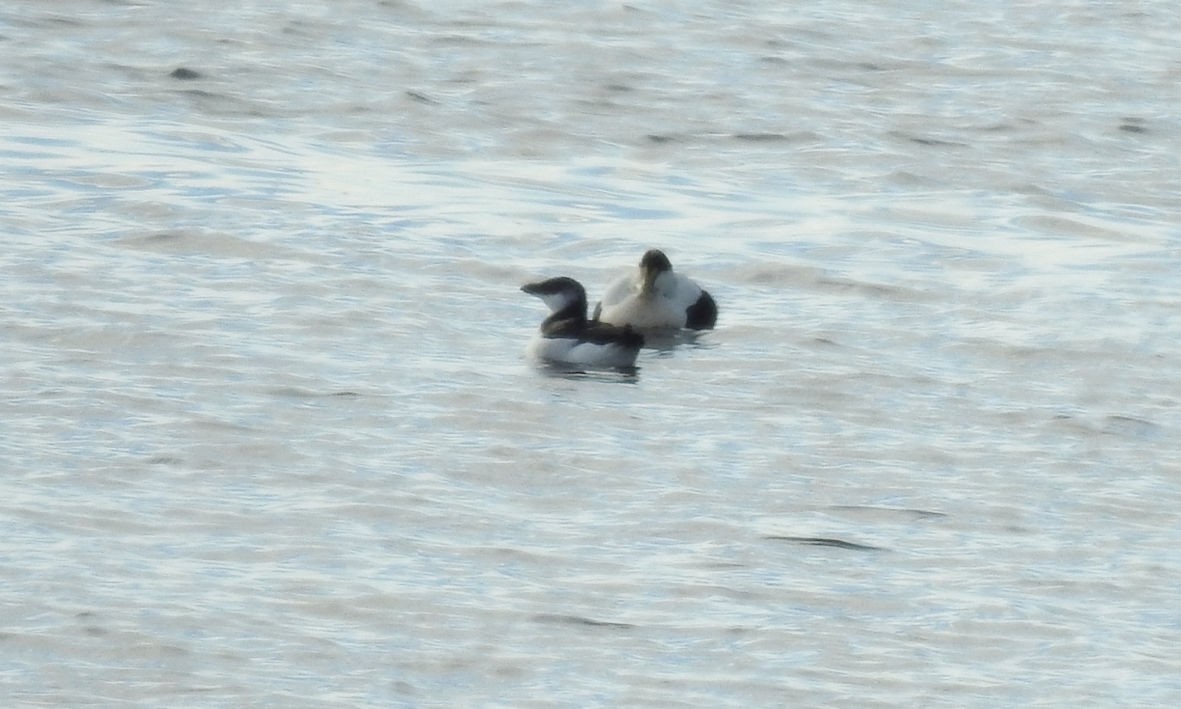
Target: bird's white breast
664,307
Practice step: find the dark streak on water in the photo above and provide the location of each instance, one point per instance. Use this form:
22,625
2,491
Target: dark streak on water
826,542
579,620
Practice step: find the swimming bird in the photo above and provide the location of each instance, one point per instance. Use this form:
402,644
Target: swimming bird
567,337
654,297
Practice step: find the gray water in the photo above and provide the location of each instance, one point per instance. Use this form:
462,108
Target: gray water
269,438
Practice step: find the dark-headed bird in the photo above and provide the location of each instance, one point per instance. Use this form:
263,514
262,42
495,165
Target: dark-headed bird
567,337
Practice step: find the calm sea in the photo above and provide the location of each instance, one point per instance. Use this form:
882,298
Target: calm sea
268,437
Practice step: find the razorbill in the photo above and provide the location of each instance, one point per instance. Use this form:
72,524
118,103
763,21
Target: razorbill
567,337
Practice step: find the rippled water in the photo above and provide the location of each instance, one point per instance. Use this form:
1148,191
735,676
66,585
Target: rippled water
270,438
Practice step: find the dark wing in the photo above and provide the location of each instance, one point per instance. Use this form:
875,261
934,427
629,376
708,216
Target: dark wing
598,333
601,333
703,314
557,326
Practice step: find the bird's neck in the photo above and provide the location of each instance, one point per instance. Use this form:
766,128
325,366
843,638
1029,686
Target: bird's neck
572,312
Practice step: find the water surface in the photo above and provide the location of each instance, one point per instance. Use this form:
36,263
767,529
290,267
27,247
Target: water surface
270,437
